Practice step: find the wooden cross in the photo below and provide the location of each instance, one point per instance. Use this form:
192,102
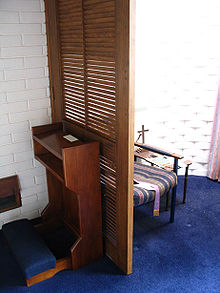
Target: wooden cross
142,133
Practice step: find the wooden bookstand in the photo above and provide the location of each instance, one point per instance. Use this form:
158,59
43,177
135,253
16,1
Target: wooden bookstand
73,178
10,197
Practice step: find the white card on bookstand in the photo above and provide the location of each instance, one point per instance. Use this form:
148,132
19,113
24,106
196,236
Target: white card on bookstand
70,137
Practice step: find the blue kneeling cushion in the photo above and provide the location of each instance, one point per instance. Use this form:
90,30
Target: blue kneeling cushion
29,249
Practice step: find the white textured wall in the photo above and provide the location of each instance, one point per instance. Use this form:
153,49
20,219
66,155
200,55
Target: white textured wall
177,74
24,100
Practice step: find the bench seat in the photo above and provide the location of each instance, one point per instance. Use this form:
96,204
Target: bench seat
165,180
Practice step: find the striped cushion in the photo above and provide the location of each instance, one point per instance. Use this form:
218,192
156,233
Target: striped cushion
162,178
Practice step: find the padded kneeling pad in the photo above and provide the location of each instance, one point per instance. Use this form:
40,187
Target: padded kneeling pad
29,249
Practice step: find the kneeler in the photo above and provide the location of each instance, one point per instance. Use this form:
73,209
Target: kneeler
159,181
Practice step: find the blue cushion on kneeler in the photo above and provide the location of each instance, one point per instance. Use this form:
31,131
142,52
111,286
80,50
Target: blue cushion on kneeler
164,179
29,249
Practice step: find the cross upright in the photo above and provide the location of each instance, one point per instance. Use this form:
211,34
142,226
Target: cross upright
142,133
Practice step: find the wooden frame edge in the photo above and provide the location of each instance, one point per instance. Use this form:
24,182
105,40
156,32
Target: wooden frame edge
53,44
61,264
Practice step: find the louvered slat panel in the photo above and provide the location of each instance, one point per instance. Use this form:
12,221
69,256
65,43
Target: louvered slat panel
108,181
99,36
105,6
72,59
100,73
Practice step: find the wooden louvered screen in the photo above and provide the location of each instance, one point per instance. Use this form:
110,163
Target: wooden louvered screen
93,44
87,47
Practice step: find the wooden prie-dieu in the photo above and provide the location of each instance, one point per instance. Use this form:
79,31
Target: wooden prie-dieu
73,179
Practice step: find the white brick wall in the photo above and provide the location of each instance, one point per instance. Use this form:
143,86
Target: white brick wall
24,100
177,75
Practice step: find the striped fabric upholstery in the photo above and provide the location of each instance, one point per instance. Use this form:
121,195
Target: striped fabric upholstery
162,178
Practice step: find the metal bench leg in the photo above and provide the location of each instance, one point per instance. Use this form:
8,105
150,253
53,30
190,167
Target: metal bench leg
173,204
173,200
185,184
167,200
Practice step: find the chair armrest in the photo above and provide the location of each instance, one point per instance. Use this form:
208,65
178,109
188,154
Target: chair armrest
188,162
158,150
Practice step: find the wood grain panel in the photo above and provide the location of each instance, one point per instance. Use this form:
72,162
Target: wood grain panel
125,12
54,60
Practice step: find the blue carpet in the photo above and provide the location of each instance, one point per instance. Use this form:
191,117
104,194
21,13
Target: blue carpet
180,257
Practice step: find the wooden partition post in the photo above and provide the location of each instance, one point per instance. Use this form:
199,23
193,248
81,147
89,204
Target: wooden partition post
125,11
